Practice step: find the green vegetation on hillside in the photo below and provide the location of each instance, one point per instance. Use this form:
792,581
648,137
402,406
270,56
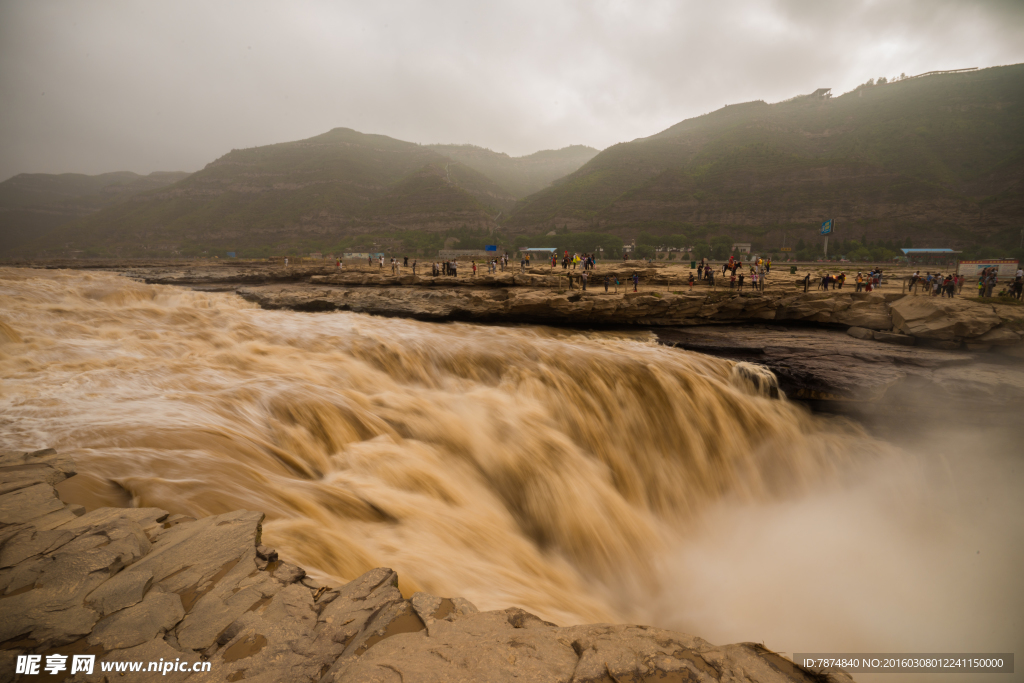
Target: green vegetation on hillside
339,184
939,158
32,205
520,176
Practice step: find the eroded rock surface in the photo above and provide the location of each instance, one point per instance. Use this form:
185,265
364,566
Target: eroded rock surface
831,365
940,321
141,585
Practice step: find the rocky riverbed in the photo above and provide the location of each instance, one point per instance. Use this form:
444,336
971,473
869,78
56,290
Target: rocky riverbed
143,585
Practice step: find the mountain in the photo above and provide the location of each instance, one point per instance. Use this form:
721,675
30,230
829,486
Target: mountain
939,159
520,176
337,190
32,205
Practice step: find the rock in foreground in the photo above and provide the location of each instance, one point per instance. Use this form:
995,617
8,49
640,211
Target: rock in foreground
206,598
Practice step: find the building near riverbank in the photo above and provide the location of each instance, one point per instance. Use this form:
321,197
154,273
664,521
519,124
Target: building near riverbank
539,252
924,257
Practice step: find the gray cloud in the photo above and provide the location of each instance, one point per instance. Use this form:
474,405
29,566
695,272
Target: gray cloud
105,85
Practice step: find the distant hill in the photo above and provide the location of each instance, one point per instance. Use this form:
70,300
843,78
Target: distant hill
32,205
939,159
339,189
520,176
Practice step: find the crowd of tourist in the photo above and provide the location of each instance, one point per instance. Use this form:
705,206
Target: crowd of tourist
933,284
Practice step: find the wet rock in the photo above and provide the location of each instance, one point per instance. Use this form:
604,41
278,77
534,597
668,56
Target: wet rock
30,542
123,590
463,606
275,642
426,606
840,372
24,504
140,623
893,338
513,645
936,318
479,647
288,573
999,336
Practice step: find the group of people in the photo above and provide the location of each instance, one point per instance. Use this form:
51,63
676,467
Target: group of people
586,261
936,284
759,271
989,278
865,282
1017,286
445,268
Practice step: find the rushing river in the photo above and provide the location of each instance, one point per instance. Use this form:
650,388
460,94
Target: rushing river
583,476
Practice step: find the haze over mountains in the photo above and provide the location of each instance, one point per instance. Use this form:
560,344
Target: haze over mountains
33,204
937,159
342,184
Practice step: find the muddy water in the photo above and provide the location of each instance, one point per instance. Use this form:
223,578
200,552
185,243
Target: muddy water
585,477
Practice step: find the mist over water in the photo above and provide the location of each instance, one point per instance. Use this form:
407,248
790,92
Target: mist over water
583,476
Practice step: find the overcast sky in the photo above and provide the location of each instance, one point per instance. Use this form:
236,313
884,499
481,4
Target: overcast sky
100,86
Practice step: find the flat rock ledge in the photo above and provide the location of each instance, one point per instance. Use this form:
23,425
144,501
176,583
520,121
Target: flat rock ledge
144,585
891,318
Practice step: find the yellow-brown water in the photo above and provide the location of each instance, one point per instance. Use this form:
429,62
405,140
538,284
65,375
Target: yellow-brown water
585,477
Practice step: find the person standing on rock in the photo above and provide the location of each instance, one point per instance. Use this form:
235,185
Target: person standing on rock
636,281
859,281
583,280
739,279
606,283
691,280
807,282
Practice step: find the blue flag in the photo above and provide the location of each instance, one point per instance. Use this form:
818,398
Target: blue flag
491,247
826,227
